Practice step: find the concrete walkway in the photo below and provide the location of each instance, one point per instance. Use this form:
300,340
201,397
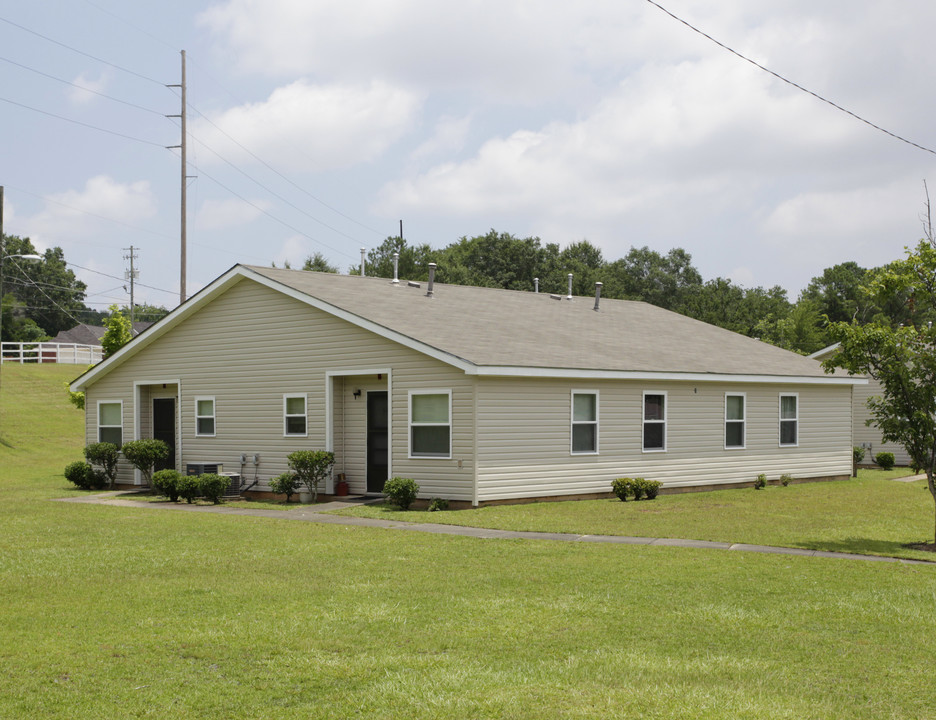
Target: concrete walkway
122,499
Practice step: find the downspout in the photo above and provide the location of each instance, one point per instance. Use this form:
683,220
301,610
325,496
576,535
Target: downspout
474,459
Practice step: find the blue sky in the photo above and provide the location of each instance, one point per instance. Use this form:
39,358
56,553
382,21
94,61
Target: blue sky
319,126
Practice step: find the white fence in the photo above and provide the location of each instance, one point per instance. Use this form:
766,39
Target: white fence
48,352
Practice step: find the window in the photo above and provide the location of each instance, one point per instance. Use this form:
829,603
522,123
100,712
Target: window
294,415
205,416
734,420
654,422
789,420
110,422
584,422
431,424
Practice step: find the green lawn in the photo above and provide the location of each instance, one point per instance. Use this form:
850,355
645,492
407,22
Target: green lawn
872,515
110,612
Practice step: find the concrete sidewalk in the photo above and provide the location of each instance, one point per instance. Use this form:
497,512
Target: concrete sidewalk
121,499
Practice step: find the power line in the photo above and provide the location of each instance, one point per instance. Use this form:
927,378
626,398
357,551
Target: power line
790,82
81,52
79,87
83,124
114,277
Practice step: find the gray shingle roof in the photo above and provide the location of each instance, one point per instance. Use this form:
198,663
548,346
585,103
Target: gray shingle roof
497,328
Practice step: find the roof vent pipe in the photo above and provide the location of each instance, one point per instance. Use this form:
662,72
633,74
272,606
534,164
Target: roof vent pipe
536,285
598,286
432,269
363,253
396,268
569,296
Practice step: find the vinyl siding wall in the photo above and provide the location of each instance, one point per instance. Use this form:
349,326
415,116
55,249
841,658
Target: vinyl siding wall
524,436
870,435
249,347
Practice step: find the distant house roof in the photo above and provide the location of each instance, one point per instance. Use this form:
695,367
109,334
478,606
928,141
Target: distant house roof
91,334
487,331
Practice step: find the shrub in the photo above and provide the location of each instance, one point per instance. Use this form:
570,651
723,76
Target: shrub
786,479
652,488
639,488
188,488
79,473
760,482
401,491
311,467
438,504
622,488
212,487
104,455
143,454
286,484
858,453
885,460
166,482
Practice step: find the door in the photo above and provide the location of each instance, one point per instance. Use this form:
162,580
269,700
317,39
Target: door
164,417
377,440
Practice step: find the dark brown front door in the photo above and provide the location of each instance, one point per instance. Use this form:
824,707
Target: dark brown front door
164,416
377,444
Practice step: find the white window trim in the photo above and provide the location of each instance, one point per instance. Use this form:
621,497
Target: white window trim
98,419
781,420
410,424
305,414
743,422
213,416
595,422
644,421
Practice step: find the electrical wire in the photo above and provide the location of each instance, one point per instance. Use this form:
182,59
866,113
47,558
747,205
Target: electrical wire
79,87
790,82
114,277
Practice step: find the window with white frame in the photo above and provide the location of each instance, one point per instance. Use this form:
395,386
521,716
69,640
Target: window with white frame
110,422
584,422
294,415
789,420
205,416
430,424
654,421
734,420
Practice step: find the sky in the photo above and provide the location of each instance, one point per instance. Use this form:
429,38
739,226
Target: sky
320,126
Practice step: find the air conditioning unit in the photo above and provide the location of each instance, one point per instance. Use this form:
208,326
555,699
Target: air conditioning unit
234,489
203,468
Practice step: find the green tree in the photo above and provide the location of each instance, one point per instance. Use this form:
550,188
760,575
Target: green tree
47,291
118,332
501,260
800,331
319,263
144,454
902,359
413,261
662,280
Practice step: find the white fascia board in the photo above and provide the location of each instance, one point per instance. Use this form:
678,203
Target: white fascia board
370,326
519,371
160,328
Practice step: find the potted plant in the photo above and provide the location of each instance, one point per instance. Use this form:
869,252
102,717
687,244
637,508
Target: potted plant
341,487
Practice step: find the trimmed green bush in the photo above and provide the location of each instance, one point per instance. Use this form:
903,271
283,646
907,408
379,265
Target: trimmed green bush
760,482
885,460
104,455
212,487
639,488
438,504
652,488
145,453
79,474
166,482
311,467
622,488
286,484
858,453
786,479
188,488
401,491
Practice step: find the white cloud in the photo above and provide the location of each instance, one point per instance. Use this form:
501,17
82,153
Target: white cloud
310,127
449,137
233,212
87,87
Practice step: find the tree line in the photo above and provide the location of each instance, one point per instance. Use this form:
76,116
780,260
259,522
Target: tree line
670,281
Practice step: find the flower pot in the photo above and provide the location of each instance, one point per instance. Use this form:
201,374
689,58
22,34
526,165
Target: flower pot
305,496
341,488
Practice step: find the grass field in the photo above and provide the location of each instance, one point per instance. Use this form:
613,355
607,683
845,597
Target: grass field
110,612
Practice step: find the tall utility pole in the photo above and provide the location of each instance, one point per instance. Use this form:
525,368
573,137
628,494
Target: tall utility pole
182,147
132,274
